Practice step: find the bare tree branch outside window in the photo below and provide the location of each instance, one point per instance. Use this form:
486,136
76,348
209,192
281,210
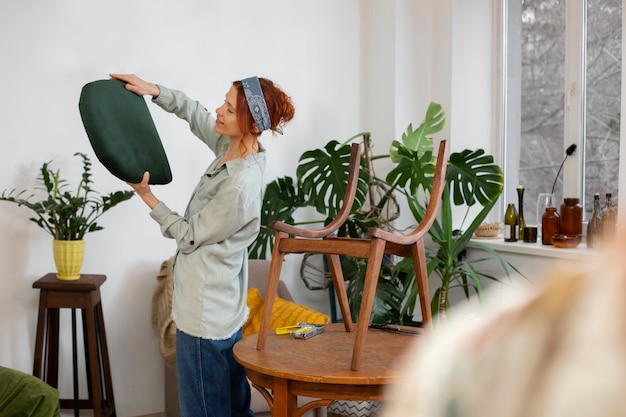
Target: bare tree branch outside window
542,99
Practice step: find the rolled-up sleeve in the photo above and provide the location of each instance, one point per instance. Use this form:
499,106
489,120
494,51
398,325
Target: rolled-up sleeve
201,121
220,218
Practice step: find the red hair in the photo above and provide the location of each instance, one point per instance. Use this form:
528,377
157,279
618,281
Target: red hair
279,106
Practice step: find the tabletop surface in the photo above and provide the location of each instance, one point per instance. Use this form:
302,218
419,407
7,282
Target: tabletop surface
86,282
326,358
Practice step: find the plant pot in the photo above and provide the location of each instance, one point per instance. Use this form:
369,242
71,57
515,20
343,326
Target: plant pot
68,258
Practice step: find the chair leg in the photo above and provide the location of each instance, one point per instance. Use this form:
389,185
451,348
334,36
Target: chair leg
272,289
421,277
377,250
340,289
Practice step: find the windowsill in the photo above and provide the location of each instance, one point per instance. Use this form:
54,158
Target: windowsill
536,249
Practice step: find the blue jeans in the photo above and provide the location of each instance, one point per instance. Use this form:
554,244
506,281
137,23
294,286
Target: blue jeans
211,383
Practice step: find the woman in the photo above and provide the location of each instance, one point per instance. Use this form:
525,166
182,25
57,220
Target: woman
221,220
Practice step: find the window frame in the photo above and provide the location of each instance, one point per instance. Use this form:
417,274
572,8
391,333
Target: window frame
508,130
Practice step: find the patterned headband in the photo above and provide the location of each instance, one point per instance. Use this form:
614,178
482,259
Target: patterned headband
256,103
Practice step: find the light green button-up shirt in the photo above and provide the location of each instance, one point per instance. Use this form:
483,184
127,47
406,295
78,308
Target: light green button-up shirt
221,220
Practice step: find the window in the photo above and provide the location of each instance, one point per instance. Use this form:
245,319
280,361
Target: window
561,62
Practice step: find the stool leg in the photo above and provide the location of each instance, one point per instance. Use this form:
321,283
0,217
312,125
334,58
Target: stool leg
91,356
106,366
39,336
52,348
75,364
87,358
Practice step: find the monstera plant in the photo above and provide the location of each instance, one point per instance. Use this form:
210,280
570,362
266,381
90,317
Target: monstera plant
473,181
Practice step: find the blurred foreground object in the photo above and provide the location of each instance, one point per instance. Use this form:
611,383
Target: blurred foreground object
557,350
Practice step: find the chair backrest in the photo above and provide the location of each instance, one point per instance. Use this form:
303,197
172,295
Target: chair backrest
342,216
432,209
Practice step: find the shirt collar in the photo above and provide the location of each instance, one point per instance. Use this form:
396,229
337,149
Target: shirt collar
239,164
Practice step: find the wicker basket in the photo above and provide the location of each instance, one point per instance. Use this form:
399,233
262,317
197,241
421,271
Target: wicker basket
488,230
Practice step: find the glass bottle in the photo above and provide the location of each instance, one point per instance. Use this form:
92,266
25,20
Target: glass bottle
609,220
521,224
510,224
571,217
594,226
550,223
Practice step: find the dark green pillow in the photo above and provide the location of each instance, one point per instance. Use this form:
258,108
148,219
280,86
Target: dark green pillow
122,132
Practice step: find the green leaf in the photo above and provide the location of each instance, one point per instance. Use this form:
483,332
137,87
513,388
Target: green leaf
474,177
323,178
418,140
413,171
280,200
61,214
415,163
389,294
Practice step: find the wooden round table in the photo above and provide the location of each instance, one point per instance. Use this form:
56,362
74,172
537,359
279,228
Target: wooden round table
319,367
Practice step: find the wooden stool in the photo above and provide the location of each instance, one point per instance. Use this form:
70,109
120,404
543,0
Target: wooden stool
83,293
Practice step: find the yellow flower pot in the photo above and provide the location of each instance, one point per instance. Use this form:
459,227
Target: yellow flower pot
68,258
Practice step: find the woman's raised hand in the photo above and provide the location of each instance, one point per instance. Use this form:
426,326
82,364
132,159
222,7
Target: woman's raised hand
138,85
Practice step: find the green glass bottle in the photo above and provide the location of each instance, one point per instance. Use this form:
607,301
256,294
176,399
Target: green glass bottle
510,224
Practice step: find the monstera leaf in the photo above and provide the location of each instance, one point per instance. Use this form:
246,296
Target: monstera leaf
413,170
472,175
323,178
280,200
418,140
415,163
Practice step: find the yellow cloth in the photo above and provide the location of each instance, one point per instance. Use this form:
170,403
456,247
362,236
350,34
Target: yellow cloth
284,313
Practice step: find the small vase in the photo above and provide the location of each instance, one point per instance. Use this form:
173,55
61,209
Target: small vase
521,221
68,258
571,217
549,225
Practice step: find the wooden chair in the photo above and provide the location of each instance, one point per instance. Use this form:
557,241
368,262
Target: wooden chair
378,243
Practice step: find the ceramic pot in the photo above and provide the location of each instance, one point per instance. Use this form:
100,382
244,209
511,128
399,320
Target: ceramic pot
68,258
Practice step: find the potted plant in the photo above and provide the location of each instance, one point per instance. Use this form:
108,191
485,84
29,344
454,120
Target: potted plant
65,216
472,179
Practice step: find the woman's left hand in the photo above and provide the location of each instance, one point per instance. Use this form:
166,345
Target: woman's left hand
143,190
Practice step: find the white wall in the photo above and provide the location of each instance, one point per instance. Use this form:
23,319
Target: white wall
51,49
350,66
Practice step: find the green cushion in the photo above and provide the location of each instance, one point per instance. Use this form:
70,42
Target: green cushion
122,132
22,394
